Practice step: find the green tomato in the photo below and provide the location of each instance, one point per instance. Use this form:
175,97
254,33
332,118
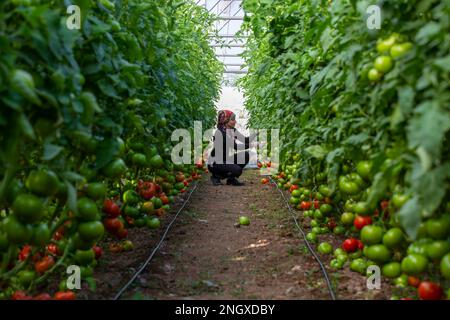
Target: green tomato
318,215
358,265
378,253
399,50
17,232
414,264
383,64
374,75
41,235
437,249
84,257
28,208
96,190
384,46
355,255
325,248
438,228
325,208
156,162
339,230
130,197
342,258
87,209
115,169
339,251
392,270
316,230
26,277
336,264
91,231
393,238
311,237
361,208
43,183
399,200
363,168
445,266
154,223
401,281
293,200
347,218
139,159
371,234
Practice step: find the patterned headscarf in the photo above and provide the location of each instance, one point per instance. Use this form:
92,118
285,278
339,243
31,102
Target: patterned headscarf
223,118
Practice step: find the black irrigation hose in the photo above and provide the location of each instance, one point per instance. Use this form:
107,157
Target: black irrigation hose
155,249
308,244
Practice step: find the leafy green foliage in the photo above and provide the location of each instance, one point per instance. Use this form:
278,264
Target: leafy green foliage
308,64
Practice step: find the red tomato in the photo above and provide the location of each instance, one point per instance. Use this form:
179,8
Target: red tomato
293,187
413,282
384,204
65,295
360,244
98,252
111,208
24,253
430,291
43,296
305,205
350,245
376,213
122,233
264,181
53,249
164,199
269,164
360,222
112,225
20,295
58,236
331,224
43,265
316,204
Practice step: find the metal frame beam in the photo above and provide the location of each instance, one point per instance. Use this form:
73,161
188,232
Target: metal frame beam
228,55
227,46
236,72
228,21
230,18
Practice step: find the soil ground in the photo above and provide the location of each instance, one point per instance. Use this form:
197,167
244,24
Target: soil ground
206,256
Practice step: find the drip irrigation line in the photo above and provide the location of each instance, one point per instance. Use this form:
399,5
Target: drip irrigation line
127,285
308,244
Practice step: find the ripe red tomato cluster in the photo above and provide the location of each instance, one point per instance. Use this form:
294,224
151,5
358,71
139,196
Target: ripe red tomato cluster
352,244
147,189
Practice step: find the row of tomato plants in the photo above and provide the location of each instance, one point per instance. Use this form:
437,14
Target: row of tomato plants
364,120
86,122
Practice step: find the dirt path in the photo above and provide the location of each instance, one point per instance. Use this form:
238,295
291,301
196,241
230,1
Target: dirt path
206,256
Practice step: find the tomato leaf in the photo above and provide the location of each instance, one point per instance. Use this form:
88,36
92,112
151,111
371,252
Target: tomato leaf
51,151
410,217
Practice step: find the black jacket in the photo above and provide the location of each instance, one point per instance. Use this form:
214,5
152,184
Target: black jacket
227,143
